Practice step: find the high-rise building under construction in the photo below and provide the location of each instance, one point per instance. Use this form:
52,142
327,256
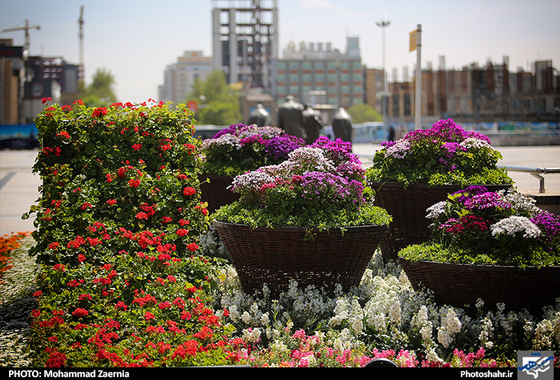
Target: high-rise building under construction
245,41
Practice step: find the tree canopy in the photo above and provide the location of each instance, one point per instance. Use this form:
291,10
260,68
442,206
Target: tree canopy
218,102
100,91
362,113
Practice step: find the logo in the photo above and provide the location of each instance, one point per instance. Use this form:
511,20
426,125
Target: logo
535,365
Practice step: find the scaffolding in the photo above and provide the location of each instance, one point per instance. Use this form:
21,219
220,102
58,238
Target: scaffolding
245,40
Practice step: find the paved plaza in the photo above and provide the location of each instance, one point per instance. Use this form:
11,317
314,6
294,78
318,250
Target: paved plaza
19,186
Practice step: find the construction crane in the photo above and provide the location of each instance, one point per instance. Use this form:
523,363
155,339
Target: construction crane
27,27
81,35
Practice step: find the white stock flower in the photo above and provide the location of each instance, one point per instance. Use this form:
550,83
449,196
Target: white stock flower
395,312
512,225
398,150
435,210
252,334
475,143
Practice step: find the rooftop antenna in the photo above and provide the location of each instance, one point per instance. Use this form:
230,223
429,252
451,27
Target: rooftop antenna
26,28
81,36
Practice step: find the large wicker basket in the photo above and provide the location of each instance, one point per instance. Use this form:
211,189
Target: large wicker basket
274,256
215,191
460,284
407,205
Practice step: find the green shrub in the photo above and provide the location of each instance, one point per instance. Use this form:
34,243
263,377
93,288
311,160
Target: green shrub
122,279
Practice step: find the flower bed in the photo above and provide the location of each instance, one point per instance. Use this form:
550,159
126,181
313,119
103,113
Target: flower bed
121,283
241,148
477,226
113,297
319,186
8,243
444,154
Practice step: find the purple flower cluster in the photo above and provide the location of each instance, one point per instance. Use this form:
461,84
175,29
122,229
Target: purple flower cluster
231,130
444,130
240,148
322,185
338,151
549,224
505,220
278,148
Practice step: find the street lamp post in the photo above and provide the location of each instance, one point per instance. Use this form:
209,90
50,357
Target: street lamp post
385,93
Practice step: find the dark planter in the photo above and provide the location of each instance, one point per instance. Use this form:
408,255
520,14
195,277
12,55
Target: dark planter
460,284
277,255
216,191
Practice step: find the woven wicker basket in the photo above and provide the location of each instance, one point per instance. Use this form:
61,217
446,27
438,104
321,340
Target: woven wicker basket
216,192
460,284
407,206
276,255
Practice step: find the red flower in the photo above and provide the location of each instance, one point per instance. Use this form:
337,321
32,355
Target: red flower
100,112
189,191
134,182
59,267
137,146
46,100
149,316
111,201
81,258
192,247
64,134
84,297
182,232
54,245
80,312
56,360
142,215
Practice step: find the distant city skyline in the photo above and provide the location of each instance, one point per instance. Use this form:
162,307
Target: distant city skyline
136,40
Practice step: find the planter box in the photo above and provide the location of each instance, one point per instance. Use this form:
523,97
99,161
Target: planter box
216,192
277,255
460,284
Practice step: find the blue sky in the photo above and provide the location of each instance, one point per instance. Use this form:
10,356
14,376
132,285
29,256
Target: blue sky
137,39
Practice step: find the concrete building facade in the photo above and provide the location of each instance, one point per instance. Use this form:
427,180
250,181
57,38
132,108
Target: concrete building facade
318,74
180,76
245,41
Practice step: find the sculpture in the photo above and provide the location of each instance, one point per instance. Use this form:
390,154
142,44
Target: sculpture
290,117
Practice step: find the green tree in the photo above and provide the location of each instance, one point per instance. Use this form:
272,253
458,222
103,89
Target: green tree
218,102
100,91
362,113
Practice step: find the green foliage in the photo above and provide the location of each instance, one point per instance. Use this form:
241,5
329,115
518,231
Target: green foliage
362,113
476,226
321,218
218,101
219,113
122,279
318,186
441,253
100,92
442,155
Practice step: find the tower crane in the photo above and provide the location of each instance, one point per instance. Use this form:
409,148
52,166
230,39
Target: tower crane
81,36
27,27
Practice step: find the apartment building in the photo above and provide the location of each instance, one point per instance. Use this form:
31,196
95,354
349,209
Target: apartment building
316,73
180,76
